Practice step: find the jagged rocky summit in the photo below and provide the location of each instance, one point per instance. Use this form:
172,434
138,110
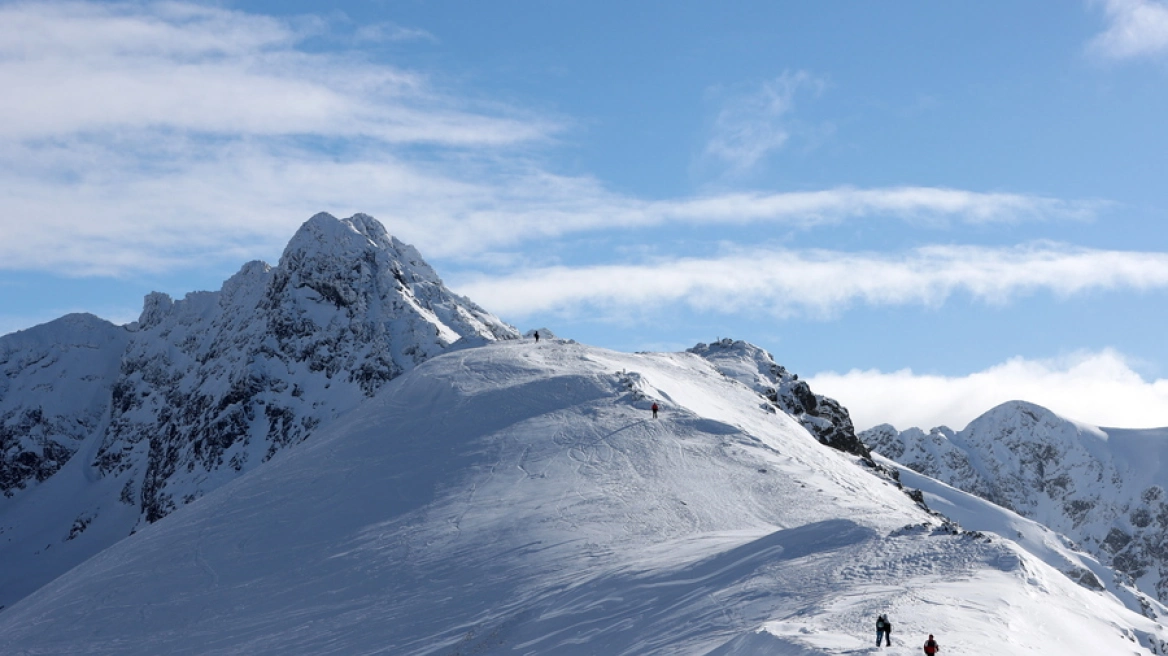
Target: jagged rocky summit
1101,487
203,388
754,367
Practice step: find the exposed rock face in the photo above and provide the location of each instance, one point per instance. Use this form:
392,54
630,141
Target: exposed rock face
54,392
1100,487
203,388
824,417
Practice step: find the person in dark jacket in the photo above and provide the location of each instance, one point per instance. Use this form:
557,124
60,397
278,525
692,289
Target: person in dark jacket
654,409
883,631
931,646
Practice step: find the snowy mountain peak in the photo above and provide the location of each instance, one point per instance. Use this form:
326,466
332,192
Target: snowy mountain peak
326,238
325,244
1101,487
202,389
259,364
364,274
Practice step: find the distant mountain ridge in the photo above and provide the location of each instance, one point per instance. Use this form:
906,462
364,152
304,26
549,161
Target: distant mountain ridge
1101,487
55,383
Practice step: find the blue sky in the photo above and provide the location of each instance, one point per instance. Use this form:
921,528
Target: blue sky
925,208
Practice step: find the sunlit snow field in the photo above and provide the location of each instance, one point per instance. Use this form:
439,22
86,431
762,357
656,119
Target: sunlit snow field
519,498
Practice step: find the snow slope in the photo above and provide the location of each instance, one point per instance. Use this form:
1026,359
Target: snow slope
1101,487
516,498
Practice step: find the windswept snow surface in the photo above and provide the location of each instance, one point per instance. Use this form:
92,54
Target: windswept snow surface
517,498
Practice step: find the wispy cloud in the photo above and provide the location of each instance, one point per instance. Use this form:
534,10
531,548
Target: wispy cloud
504,211
85,68
162,136
752,124
820,283
1135,28
155,135
391,32
1100,388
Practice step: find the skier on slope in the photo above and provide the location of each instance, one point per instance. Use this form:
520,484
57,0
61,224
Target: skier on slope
883,631
654,409
931,646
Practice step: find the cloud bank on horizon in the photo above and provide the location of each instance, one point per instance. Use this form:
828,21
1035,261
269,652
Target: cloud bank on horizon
170,137
1101,389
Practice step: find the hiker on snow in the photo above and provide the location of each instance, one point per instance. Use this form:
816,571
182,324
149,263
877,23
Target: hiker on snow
537,337
654,409
883,631
931,646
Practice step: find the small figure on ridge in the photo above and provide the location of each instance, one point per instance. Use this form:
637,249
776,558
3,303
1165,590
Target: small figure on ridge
883,630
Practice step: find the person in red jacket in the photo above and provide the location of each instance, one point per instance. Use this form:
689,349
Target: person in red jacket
654,409
931,646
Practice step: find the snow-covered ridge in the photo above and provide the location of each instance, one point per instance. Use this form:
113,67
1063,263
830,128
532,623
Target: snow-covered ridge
1101,487
520,499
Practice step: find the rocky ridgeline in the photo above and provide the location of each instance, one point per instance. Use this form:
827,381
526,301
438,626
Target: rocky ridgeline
823,417
1099,487
203,388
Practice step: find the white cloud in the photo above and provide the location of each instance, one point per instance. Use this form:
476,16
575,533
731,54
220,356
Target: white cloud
1099,388
160,136
84,68
532,205
1135,28
390,32
751,125
817,282
923,204
144,136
